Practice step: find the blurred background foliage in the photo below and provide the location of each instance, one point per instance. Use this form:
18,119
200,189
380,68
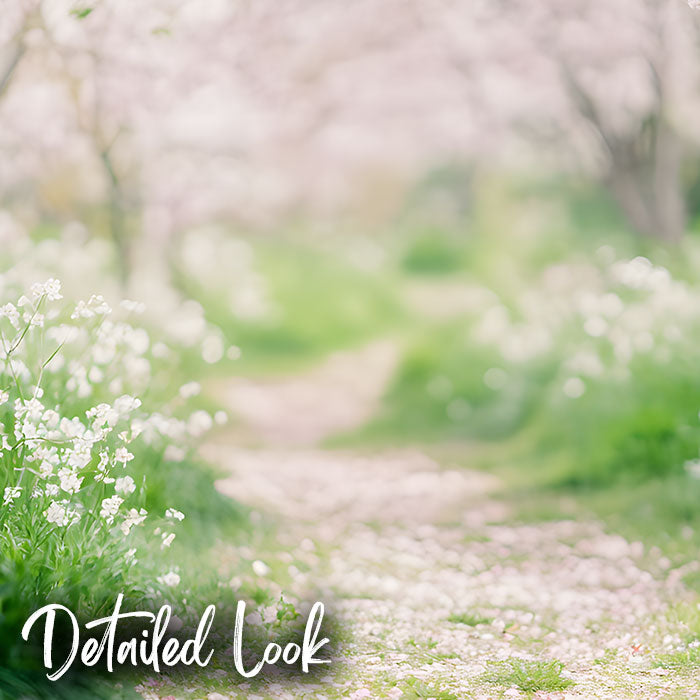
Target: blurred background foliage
278,180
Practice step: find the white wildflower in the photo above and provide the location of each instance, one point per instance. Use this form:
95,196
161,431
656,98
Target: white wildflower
51,418
136,307
56,513
254,619
99,305
11,493
31,408
160,350
9,311
70,481
692,466
109,508
125,485
72,516
269,614
199,423
51,289
132,518
190,389
169,579
260,568
4,396
167,538
46,469
574,387
212,349
174,514
126,404
123,455
103,415
71,428
96,305
81,454
102,467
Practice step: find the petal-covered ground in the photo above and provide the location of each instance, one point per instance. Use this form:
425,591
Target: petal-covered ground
437,591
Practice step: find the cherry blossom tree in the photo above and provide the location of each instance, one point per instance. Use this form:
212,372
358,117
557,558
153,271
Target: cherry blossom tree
165,115
629,70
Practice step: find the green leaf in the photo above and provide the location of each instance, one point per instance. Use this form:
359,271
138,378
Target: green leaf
81,13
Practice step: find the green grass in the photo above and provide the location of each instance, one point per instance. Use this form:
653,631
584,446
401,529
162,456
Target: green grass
58,543
684,619
469,619
433,253
415,689
447,388
34,686
320,303
529,676
686,659
189,486
687,617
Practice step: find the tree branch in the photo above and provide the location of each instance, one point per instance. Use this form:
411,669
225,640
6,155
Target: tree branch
6,77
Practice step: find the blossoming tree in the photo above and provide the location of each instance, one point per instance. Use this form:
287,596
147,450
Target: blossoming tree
176,113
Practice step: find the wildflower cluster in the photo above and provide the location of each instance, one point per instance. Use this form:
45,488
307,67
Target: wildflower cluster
70,423
593,320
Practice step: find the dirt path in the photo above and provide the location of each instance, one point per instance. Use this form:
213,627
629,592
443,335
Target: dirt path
429,578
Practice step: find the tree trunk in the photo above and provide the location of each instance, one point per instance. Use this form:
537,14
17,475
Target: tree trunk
117,221
6,76
648,186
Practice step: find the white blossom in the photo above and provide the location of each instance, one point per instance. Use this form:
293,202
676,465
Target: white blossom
5,444
11,493
123,455
199,423
126,404
136,307
260,568
70,481
96,305
170,579
125,485
56,513
109,508
174,514
9,311
51,289
190,389
132,518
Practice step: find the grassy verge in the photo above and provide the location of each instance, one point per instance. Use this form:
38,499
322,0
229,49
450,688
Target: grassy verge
315,301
